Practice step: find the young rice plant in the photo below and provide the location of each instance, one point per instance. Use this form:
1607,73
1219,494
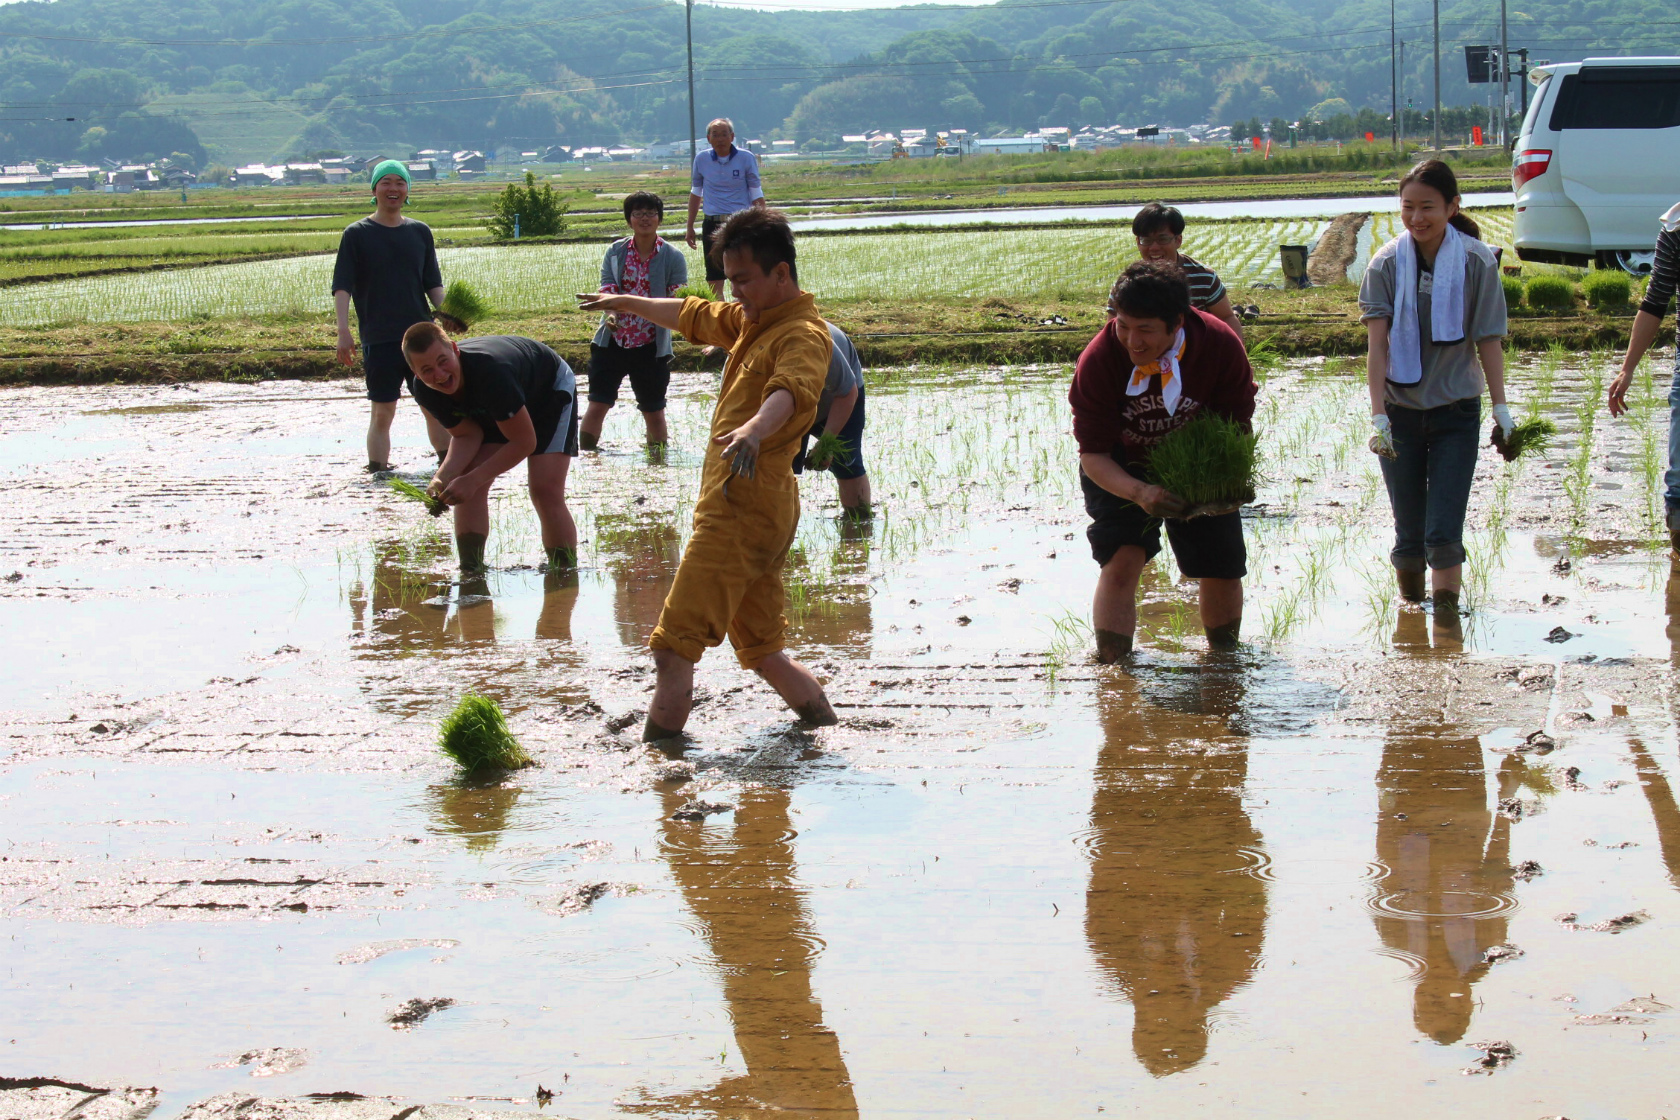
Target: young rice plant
1209,461
476,736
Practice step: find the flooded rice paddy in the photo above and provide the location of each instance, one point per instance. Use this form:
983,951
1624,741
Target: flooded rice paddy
1335,873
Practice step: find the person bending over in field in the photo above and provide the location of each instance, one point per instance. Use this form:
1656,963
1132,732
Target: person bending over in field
729,582
388,266
840,410
1157,364
639,265
503,400
1159,230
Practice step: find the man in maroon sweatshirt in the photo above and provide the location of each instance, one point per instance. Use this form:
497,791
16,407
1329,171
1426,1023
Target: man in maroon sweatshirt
1156,365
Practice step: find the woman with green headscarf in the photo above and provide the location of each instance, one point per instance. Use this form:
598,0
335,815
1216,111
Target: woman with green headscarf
387,266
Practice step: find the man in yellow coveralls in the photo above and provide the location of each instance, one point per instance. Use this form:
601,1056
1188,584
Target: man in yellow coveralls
730,579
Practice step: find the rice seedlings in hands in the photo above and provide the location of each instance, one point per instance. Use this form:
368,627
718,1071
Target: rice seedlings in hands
462,307
476,735
828,449
1527,435
409,490
1211,463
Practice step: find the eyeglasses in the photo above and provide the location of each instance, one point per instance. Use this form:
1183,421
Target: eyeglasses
1159,241
643,212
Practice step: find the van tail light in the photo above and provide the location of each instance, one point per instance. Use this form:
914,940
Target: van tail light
1530,162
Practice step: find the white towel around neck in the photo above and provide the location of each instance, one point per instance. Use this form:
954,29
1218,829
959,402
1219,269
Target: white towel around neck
1405,339
1671,220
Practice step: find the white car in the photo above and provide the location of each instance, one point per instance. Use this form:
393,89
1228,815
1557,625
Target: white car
1598,161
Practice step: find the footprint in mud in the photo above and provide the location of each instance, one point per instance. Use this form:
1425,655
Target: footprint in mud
409,1015
268,1061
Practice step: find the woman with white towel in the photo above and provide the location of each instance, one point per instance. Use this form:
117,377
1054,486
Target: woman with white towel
1435,317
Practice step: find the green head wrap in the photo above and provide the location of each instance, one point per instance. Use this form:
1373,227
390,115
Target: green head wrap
389,167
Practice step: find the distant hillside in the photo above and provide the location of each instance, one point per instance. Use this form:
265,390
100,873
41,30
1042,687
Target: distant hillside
243,79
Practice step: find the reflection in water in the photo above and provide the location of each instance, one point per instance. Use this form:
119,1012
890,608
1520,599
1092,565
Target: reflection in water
642,557
391,606
476,811
839,612
1444,899
741,885
1172,916
560,596
1672,602
1665,814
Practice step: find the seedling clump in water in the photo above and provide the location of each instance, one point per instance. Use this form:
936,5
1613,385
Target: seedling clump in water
409,490
1211,461
476,735
1528,435
463,305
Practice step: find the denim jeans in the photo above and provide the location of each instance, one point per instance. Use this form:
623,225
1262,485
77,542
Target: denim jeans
1429,481
1671,480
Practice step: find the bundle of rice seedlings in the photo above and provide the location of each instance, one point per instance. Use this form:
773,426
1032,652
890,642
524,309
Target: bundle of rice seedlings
1513,287
698,291
476,735
1210,462
1607,289
828,449
1551,293
1528,435
409,490
463,305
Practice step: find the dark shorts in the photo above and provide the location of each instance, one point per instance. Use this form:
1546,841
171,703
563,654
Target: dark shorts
1205,547
650,375
852,434
386,371
708,232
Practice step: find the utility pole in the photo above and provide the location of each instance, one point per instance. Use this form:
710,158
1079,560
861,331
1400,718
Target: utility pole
1504,80
693,138
1394,82
1408,103
1437,120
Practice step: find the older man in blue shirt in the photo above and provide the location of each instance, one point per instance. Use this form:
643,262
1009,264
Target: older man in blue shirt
725,180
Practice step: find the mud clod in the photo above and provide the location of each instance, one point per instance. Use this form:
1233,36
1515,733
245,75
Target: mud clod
1495,1055
1620,922
1641,1005
699,809
618,723
578,898
1571,779
1496,953
409,1015
1527,871
1538,742
675,770
268,1061
1559,635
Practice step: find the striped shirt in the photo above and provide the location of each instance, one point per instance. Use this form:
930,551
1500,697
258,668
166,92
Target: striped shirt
1665,274
1205,286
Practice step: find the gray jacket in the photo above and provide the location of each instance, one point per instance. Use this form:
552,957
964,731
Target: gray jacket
670,270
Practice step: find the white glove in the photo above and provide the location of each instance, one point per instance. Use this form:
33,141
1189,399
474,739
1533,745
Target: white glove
1382,437
1502,417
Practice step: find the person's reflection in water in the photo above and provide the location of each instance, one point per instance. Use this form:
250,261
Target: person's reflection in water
402,606
474,620
842,617
642,557
1672,602
741,884
1665,813
475,811
1448,884
560,596
1172,914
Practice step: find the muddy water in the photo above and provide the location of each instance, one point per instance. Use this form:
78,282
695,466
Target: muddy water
1279,883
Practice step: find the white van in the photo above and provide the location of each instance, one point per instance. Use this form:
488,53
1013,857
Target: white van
1598,161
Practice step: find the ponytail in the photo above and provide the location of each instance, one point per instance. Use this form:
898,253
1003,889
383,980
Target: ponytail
1438,177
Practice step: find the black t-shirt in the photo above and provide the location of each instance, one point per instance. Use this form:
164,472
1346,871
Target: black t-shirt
387,270
501,374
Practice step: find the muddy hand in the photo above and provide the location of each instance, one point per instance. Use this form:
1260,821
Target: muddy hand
1617,397
1160,502
449,323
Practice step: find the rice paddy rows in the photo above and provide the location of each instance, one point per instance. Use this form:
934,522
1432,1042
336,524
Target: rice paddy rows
1077,261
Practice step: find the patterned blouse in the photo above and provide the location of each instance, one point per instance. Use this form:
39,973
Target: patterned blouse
633,330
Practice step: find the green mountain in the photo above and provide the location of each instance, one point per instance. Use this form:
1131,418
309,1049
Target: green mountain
244,79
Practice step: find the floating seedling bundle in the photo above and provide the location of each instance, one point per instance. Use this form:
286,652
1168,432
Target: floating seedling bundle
461,308
1211,463
409,490
476,735
1528,435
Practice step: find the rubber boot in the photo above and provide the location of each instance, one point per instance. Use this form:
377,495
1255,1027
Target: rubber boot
469,547
1113,646
589,441
376,468
653,733
1226,637
1446,603
561,557
1411,585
